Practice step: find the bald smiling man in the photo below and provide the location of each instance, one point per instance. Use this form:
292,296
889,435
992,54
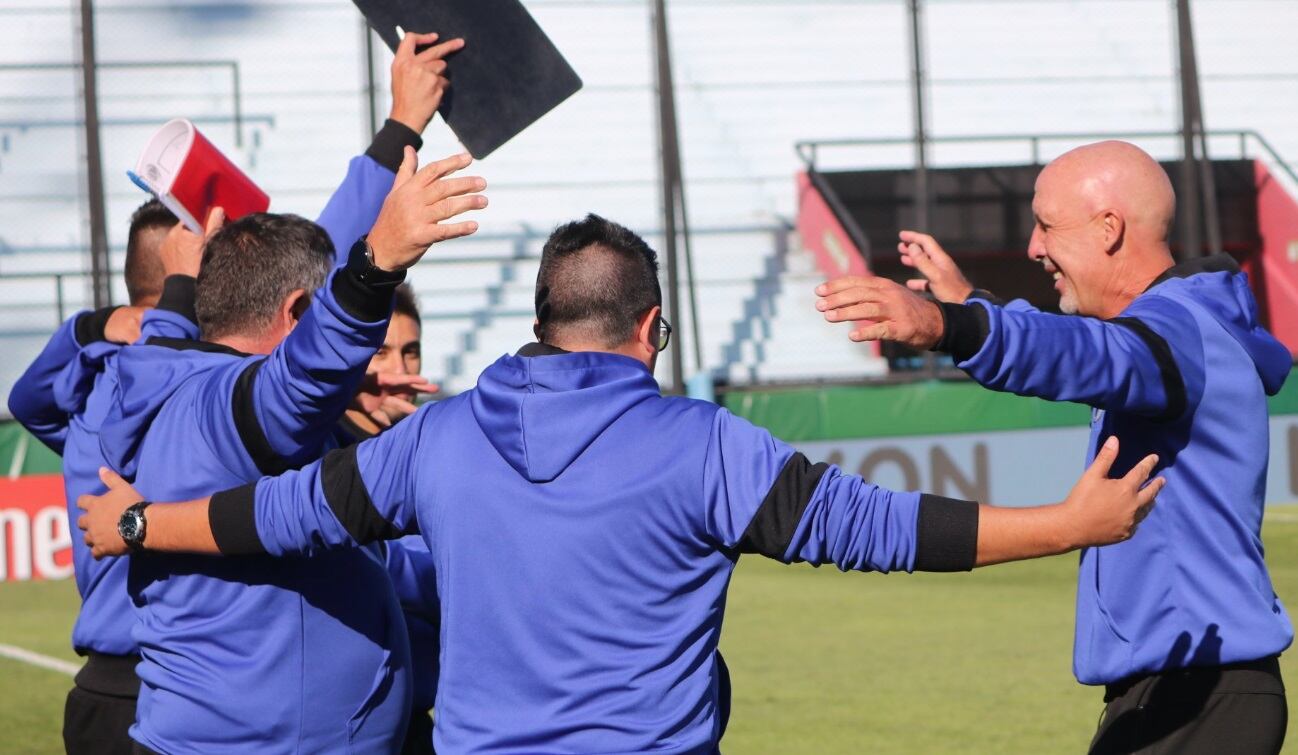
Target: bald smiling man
1180,623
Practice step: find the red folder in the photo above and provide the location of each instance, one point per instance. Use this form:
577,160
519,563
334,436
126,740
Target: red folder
190,176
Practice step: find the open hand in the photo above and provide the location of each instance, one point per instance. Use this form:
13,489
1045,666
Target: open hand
942,277
181,252
415,212
103,512
1108,510
387,397
891,312
419,79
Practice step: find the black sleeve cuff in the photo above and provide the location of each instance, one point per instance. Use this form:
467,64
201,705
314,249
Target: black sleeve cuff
965,329
232,516
90,326
985,295
363,290
946,534
178,296
389,145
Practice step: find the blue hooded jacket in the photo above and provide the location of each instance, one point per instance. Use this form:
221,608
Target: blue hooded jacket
64,396
299,655
1183,372
585,529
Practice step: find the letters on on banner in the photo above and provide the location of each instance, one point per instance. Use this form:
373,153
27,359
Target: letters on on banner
35,540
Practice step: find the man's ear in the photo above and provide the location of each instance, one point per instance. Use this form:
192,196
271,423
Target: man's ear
646,335
1115,227
295,305
536,328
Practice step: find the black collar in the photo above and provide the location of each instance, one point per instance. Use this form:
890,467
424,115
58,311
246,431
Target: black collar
184,344
538,349
1217,263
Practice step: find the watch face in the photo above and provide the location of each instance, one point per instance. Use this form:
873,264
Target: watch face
129,526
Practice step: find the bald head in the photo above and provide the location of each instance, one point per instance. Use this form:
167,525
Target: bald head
1103,213
1114,175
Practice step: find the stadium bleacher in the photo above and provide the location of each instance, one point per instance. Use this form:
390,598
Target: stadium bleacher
746,92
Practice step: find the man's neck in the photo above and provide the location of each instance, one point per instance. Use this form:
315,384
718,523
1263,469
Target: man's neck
262,345
1133,279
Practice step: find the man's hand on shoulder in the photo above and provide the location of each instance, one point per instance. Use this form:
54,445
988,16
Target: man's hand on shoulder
942,277
419,79
415,212
889,311
123,325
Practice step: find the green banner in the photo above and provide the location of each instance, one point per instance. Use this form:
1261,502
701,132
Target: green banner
22,454
927,408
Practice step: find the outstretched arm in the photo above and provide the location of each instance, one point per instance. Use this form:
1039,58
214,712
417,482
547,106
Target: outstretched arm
351,496
1131,363
766,499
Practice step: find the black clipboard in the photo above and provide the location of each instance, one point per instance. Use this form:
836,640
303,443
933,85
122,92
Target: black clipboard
508,75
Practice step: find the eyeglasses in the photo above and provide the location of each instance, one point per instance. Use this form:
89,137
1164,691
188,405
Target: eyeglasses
664,333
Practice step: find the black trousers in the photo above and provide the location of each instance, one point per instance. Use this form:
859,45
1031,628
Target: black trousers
1238,708
101,706
419,736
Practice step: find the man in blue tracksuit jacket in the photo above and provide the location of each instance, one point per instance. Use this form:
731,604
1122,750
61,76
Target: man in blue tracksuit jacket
305,655
64,396
1182,623
585,527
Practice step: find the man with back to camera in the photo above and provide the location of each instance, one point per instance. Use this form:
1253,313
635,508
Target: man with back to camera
1182,624
64,396
585,528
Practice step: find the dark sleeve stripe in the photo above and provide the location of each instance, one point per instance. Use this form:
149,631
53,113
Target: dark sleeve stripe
965,330
243,409
985,295
344,489
178,296
90,326
776,520
946,534
389,145
1173,382
232,516
365,292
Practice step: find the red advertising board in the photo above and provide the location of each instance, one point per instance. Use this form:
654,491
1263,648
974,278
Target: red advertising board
35,540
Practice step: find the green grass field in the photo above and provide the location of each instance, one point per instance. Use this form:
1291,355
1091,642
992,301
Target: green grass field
822,662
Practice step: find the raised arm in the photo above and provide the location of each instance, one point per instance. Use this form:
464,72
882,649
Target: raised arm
352,496
284,404
765,498
418,85
1134,363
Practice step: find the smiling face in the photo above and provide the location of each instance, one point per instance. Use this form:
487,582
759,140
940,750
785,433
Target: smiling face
1069,241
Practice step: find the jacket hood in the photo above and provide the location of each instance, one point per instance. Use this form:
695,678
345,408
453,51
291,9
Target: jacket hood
147,377
543,407
1218,285
74,383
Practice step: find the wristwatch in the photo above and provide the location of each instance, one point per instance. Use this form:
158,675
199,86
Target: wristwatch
361,261
131,527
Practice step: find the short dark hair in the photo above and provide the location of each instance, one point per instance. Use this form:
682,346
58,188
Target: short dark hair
597,277
251,265
406,303
143,270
